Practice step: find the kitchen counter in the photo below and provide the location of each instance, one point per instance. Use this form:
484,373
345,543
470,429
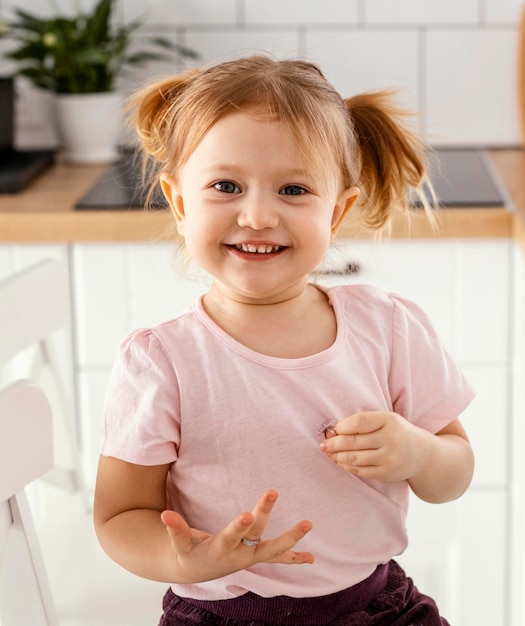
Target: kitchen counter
510,165
45,212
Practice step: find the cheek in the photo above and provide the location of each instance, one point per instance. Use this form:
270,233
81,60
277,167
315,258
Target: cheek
321,224
202,234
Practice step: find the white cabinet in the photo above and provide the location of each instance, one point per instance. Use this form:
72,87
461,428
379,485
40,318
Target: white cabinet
516,540
458,555
119,287
459,552
462,285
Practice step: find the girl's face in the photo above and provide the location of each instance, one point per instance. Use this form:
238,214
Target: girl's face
251,211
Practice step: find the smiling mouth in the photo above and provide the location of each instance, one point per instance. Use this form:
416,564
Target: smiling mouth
258,248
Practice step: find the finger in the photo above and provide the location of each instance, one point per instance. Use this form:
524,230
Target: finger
174,522
261,515
230,537
357,458
279,550
178,530
343,443
361,423
293,558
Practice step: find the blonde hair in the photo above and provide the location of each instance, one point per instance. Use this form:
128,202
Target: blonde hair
361,136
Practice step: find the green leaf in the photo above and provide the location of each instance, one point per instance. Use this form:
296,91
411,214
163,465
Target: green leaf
29,22
97,26
37,77
83,53
91,56
32,50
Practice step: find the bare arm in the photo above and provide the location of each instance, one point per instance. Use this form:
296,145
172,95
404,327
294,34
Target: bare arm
137,532
446,464
129,500
386,447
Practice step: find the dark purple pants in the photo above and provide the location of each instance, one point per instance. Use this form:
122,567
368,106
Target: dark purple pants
387,598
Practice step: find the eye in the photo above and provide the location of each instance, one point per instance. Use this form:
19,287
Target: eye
226,186
293,190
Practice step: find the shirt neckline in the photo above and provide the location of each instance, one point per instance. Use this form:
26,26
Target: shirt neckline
273,361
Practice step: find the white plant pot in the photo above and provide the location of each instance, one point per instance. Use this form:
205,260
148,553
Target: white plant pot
88,126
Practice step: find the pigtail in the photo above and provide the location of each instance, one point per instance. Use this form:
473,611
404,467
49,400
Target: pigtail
393,160
151,108
150,114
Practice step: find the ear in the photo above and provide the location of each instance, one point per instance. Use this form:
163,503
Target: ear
345,202
174,198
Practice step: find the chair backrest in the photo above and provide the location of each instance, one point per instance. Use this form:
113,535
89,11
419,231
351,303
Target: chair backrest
34,303
26,452
22,299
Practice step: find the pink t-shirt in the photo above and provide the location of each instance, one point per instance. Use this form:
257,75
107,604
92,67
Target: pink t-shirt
233,422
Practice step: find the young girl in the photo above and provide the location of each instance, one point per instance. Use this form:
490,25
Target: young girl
277,422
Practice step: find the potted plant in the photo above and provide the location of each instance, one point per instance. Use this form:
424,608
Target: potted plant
79,59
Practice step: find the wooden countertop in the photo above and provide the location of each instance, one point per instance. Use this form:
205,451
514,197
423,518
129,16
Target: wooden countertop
44,212
510,165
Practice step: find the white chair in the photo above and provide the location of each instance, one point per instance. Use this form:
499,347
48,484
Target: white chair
26,452
34,304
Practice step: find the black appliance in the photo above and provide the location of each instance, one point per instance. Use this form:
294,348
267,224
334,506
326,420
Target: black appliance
17,167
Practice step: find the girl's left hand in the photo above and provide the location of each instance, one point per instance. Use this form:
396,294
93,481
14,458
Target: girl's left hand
377,444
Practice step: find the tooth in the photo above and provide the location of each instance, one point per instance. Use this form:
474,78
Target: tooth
258,249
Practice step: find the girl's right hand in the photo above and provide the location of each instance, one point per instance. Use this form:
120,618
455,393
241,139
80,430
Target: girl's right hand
201,556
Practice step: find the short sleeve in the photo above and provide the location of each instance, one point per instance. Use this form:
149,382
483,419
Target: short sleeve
141,413
426,385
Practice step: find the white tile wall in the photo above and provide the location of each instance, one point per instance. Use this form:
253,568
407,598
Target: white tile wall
223,45
44,8
503,10
358,60
471,86
454,61
183,12
422,12
302,12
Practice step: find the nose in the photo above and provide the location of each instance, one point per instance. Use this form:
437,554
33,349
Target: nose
258,211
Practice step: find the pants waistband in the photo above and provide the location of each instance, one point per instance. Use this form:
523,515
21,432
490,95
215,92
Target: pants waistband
253,607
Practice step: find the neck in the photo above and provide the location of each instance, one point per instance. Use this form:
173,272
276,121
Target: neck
299,325
220,302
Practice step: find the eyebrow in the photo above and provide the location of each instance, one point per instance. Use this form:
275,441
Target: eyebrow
294,171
